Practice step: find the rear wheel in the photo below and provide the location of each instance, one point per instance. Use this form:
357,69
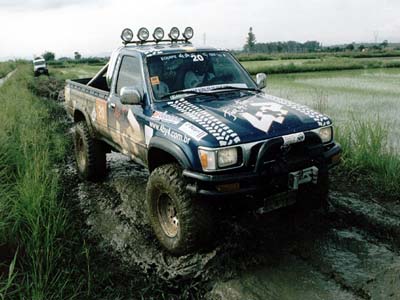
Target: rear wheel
90,154
180,222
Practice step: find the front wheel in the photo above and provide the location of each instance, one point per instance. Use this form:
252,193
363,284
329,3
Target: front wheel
181,223
89,154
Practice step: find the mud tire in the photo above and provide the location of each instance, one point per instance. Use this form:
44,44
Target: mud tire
90,154
195,221
314,196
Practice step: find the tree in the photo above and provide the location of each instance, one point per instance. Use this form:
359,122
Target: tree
250,41
361,48
48,56
77,55
384,44
350,47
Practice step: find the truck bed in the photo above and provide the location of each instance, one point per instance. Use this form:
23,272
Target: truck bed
98,88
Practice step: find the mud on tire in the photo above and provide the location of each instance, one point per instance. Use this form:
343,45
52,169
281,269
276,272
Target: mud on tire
90,154
180,221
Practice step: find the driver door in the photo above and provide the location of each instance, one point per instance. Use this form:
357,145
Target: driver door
125,122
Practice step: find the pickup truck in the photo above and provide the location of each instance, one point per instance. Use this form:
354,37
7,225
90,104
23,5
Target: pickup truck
204,129
40,67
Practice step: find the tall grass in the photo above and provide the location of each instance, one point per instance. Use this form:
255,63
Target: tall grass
32,220
6,67
368,155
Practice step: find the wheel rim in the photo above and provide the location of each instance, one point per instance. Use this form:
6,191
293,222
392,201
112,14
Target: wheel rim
80,152
167,215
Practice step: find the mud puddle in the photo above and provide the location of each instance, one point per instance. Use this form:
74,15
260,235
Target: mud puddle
282,255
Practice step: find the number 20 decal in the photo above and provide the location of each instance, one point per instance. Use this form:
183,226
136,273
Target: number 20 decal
197,57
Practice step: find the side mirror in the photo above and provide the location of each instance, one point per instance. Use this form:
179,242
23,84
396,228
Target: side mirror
130,96
261,80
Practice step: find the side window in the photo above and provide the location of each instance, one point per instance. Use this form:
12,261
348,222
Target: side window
130,74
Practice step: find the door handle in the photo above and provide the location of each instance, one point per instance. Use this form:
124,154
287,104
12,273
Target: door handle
112,105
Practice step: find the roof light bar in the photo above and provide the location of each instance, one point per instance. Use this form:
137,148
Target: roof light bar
158,35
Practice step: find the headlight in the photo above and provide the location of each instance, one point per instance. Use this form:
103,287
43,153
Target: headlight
227,157
326,134
212,160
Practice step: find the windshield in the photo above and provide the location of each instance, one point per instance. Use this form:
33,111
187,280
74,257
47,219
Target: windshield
39,62
195,71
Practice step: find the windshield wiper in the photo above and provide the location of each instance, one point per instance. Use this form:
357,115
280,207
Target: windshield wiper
188,92
229,87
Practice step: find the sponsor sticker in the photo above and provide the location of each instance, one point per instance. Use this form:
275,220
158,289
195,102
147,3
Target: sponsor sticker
166,131
293,138
165,117
101,112
193,131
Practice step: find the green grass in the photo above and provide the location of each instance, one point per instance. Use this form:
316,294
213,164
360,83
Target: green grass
364,105
6,67
33,222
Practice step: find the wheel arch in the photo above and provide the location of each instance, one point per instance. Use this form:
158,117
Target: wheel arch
162,151
80,116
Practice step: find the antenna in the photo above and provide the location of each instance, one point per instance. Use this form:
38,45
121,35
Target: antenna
204,39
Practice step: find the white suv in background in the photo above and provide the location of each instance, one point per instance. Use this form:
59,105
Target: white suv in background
40,67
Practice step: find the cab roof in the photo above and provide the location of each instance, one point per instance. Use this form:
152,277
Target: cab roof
166,48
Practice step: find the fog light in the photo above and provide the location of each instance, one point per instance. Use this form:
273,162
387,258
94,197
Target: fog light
158,34
143,34
188,33
174,33
127,35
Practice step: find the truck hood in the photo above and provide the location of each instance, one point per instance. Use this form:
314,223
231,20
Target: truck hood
233,121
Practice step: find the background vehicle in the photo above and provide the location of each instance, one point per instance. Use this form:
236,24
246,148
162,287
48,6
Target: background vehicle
204,129
40,67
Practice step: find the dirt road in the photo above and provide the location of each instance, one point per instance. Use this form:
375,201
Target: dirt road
349,252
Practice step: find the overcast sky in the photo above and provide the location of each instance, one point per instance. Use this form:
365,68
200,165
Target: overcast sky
92,27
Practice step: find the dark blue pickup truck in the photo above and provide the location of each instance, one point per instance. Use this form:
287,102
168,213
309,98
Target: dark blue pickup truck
204,129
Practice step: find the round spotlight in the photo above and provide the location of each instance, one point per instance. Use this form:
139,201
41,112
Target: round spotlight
143,34
188,33
127,35
158,34
174,33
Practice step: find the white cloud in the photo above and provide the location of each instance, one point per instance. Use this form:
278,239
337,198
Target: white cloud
92,27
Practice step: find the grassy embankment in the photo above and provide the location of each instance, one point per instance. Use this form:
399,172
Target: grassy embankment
34,226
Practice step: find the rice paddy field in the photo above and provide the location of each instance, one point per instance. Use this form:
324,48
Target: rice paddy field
371,95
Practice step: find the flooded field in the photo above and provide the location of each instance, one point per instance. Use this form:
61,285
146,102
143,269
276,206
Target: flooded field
358,94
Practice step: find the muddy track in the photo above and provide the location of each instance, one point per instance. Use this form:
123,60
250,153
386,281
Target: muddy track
349,252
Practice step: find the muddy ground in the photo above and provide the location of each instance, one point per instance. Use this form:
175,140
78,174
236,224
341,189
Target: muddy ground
348,252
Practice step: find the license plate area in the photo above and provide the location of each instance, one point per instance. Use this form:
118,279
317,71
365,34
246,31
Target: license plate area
302,176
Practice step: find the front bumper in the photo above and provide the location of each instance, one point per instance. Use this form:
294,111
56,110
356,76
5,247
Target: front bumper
264,176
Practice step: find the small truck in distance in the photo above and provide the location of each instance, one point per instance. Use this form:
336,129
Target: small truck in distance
40,67
204,129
